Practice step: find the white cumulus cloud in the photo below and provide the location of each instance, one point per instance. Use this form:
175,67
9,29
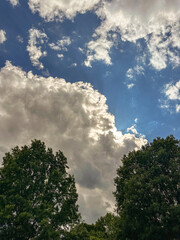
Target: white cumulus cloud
36,37
73,118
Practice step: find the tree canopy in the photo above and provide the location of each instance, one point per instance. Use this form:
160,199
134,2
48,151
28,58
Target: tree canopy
105,228
38,198
148,192
37,195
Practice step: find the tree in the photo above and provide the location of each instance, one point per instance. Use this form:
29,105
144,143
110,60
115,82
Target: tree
105,228
80,231
108,225
37,195
148,192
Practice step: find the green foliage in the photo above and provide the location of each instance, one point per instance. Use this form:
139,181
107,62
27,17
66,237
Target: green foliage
81,231
37,195
148,192
108,225
106,228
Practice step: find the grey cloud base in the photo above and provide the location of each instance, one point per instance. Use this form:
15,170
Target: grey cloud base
73,118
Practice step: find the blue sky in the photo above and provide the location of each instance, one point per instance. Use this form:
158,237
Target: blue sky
128,52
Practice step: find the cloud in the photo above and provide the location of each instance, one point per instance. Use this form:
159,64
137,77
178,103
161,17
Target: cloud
177,108
51,10
172,97
71,117
61,44
131,85
163,46
136,120
36,37
98,50
20,39
132,73
173,91
74,65
2,36
14,2
132,129
61,56
156,21
129,73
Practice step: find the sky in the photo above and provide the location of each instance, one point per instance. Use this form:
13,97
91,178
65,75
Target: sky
95,79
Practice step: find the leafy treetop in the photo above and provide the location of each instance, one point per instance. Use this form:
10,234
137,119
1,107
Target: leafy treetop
37,195
148,192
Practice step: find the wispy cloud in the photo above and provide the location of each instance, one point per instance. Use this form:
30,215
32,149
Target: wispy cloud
132,74
130,85
20,39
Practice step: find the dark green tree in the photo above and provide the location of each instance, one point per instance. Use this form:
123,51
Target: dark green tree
37,195
148,192
108,226
80,231
105,228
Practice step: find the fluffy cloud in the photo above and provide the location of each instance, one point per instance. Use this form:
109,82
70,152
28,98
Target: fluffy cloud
61,56
14,2
173,91
73,118
36,37
2,36
51,10
151,20
163,45
157,21
98,50
61,44
172,94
